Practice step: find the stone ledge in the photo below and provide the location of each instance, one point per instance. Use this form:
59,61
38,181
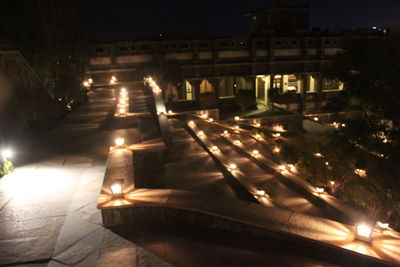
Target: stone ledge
174,206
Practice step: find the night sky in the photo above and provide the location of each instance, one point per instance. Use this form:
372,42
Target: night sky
135,20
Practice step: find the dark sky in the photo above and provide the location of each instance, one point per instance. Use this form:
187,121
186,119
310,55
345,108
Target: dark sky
131,20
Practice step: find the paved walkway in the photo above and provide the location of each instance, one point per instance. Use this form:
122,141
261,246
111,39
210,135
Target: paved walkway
48,211
190,168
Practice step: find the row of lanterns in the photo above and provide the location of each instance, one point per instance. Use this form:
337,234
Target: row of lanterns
123,102
231,166
363,230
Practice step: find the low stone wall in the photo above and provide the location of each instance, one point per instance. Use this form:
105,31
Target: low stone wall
288,227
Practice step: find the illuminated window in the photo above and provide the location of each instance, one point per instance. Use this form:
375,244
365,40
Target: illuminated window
205,87
277,81
293,83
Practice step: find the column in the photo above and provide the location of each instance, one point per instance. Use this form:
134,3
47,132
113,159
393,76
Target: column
303,91
196,91
215,84
318,96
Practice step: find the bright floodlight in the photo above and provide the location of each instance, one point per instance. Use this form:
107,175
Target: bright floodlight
122,111
363,232
7,153
315,119
86,84
116,188
318,155
90,81
119,141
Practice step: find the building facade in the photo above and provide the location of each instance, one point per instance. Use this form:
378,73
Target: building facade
279,61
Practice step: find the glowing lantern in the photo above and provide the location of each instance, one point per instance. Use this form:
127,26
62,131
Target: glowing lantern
258,124
261,193
363,232
90,81
204,116
210,119
123,89
255,153
319,190
237,142
116,188
318,155
225,133
86,84
277,149
191,123
214,149
170,112
282,167
119,141
278,128
276,135
201,134
315,119
122,111
292,167
258,136
360,172
237,127
232,166
237,118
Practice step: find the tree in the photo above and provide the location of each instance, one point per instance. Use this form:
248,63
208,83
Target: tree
51,36
368,66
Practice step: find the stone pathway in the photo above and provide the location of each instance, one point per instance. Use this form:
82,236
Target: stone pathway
48,213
